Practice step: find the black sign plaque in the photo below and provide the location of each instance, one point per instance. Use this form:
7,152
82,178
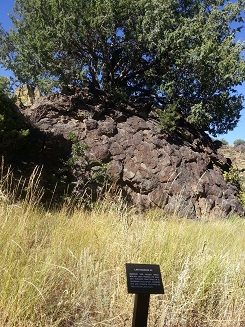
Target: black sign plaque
144,279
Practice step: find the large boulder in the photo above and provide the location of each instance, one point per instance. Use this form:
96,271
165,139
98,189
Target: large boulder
181,172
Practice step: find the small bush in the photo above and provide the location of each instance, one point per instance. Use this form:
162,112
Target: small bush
239,142
242,198
78,150
224,142
233,177
168,118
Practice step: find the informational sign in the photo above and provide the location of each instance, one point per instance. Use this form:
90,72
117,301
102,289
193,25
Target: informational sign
144,279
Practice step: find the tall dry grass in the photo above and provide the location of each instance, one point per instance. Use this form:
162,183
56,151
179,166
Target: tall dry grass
63,269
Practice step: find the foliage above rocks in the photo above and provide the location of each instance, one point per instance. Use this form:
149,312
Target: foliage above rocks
178,56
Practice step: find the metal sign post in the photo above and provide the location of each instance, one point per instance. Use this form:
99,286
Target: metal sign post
141,308
143,280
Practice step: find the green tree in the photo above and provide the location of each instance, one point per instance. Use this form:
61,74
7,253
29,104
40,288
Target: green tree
173,55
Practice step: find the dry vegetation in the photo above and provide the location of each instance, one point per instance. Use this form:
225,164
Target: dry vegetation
237,172
68,269
237,155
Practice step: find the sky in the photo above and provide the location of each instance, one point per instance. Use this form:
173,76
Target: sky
238,133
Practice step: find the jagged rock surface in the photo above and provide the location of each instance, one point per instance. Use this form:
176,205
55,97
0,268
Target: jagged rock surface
180,172
26,95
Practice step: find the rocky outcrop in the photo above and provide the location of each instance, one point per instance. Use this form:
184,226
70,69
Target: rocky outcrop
26,95
180,172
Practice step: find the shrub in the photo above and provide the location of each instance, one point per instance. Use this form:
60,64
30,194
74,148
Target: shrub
224,142
168,119
232,177
239,142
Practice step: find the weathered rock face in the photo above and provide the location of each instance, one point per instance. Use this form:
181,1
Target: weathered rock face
26,95
181,172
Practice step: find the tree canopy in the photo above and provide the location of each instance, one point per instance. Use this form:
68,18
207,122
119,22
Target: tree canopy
177,55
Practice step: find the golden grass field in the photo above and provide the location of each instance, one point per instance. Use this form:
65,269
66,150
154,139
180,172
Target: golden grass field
67,268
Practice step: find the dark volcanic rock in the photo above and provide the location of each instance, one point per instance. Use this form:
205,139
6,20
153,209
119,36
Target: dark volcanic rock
181,172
